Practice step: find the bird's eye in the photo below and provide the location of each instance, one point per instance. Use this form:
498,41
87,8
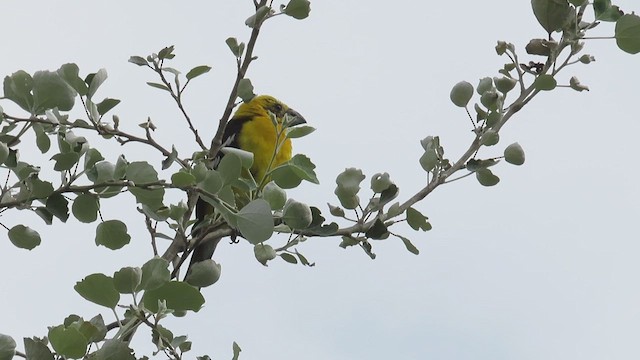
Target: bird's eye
277,108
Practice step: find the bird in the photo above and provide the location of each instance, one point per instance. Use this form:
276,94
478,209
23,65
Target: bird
251,129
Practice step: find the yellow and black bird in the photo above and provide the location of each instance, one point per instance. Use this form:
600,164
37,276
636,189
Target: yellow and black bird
251,129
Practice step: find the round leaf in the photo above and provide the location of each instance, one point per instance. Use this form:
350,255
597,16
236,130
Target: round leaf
461,93
514,154
112,234
204,273
85,208
99,289
178,296
24,237
255,221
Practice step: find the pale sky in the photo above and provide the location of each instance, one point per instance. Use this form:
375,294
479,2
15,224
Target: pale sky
542,266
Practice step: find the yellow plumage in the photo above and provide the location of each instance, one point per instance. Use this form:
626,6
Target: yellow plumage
252,129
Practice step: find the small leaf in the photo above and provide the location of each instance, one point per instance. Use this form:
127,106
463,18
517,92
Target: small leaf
114,349
95,81
85,208
112,234
182,179
288,258
255,221
486,177
274,195
138,60
410,247
36,349
127,280
232,43
298,9
490,138
296,215
178,296
155,273
58,205
264,253
68,342
514,154
257,18
551,14
417,221
299,131
24,237
107,104
197,71
99,289
461,93
245,90
545,82
204,273
65,161
158,86
627,33
7,347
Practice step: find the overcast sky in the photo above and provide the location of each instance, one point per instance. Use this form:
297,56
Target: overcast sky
542,266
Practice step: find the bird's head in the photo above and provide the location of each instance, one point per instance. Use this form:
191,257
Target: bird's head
266,104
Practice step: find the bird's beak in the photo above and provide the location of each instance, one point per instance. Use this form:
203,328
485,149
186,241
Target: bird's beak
296,118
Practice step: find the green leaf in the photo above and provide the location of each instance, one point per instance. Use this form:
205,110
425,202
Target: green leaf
4,152
151,198
69,73
504,84
36,349
68,342
99,289
236,49
58,206
417,221
604,11
236,351
155,273
288,258
410,247
551,14
204,273
264,253
229,168
141,172
486,177
299,131
158,86
545,82
85,208
246,157
514,154
127,280
197,71
39,189
17,88
461,93
24,237
42,139
107,104
114,349
183,179
95,81
627,33
255,221
274,195
490,138
378,231
380,182
296,215
245,90
50,91
212,182
65,161
138,60
7,347
298,9
178,295
575,84
350,180
44,214
112,234
91,157
257,18
485,84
